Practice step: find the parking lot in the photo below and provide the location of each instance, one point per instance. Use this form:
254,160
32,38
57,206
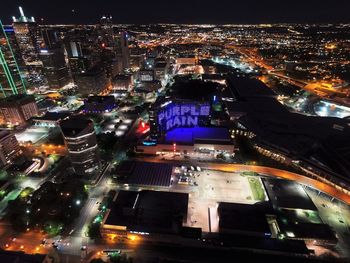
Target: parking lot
207,190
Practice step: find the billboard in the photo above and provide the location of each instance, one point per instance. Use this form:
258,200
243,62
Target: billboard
176,115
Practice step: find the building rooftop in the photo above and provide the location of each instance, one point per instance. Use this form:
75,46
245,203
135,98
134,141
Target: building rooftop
244,218
4,133
121,77
20,257
244,87
53,116
195,90
287,194
100,99
75,125
144,173
18,99
149,211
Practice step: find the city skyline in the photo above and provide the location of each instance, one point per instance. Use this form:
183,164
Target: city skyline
192,140
187,12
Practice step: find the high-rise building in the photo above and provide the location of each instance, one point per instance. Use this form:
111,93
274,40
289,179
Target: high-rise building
52,56
54,68
9,148
106,31
82,49
29,38
17,109
11,82
94,81
124,50
80,138
10,33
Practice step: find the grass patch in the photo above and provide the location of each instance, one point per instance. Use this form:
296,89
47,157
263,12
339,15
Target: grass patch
257,189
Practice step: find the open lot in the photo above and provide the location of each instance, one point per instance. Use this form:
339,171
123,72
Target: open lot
212,187
32,134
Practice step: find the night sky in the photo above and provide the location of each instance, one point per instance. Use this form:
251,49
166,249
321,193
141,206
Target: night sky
180,11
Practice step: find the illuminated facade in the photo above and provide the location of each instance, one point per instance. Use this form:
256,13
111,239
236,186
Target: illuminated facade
17,109
177,114
28,38
9,148
80,138
11,82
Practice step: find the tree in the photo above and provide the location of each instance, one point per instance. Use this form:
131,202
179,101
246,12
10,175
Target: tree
94,230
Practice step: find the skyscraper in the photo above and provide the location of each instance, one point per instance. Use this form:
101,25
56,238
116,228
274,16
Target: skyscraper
52,57
28,38
11,82
124,48
106,31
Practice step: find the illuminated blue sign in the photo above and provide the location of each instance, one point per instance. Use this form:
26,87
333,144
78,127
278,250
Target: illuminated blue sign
182,115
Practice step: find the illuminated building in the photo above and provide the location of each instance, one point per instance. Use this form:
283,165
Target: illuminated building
189,60
80,45
106,30
80,139
11,82
146,75
11,35
122,83
53,59
77,58
186,116
124,50
28,38
160,70
18,109
179,114
9,148
94,81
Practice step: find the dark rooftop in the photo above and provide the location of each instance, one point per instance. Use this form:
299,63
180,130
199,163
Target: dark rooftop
144,173
149,211
20,257
75,125
287,194
18,99
243,87
99,99
121,77
195,90
244,218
